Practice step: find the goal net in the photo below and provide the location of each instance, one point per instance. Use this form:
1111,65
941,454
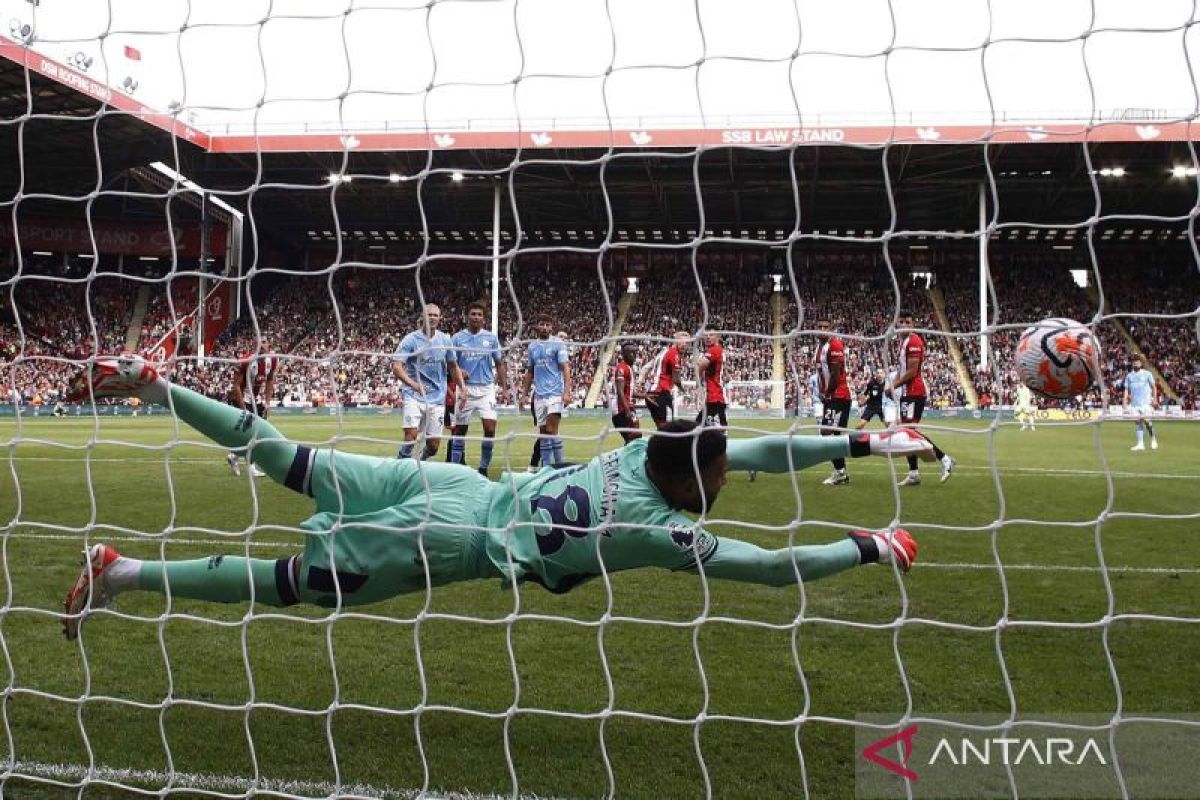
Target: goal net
265,199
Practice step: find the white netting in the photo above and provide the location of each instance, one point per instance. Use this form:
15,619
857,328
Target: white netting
1055,576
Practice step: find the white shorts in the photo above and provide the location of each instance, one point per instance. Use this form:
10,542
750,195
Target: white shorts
543,407
1140,411
425,416
480,399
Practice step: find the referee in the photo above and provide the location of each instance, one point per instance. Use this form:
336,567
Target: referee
872,401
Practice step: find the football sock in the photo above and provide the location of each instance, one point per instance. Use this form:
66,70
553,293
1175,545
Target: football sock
559,458
1150,427
219,579
1141,436
240,431
406,450
485,452
937,453
546,445
536,457
429,452
839,464
912,463
457,452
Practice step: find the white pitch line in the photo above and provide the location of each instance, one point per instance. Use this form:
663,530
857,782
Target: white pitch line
256,543
141,778
1059,568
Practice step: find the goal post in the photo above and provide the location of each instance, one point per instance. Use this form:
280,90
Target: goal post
749,171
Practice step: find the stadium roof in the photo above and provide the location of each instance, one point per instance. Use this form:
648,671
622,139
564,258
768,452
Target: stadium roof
72,146
327,75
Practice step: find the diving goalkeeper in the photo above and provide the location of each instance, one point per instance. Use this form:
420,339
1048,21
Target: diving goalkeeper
383,527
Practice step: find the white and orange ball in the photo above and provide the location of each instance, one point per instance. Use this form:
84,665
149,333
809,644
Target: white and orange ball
1058,358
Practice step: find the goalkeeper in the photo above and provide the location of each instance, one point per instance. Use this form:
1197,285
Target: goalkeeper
383,527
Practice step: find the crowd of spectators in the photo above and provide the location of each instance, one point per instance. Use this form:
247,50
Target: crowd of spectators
1028,289
47,326
672,296
338,328
859,300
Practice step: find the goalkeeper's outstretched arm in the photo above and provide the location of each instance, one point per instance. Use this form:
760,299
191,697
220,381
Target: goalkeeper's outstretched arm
733,559
788,453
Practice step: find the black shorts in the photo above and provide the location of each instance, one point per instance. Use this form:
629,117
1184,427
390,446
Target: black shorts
625,422
871,412
661,405
254,406
834,414
911,409
714,414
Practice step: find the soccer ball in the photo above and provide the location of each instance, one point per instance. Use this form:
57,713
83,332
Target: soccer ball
1058,358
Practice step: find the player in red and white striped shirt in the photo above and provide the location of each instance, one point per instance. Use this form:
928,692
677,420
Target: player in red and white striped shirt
710,367
908,390
252,390
664,376
835,395
620,394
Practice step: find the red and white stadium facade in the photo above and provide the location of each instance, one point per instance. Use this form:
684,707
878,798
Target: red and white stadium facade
604,138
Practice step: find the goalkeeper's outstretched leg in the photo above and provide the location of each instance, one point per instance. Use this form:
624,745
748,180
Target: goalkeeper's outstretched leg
381,495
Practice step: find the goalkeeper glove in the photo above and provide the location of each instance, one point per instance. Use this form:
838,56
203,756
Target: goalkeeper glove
889,547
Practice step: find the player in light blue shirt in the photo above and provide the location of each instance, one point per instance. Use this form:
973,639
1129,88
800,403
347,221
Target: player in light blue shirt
548,372
1141,396
423,362
481,362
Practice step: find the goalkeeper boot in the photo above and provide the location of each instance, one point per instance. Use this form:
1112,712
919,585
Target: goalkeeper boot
91,582
112,376
888,547
235,463
912,479
948,464
255,472
837,478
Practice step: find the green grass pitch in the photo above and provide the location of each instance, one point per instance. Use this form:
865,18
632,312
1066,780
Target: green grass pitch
409,694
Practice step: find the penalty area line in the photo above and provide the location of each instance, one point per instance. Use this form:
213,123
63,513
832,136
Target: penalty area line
1059,568
239,784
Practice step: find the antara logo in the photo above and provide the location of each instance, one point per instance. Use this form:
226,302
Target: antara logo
966,751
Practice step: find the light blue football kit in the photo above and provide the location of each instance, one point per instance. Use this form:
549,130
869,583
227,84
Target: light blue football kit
427,360
546,357
478,355
1140,385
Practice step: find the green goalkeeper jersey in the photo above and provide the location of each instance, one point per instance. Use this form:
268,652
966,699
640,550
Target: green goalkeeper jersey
560,527
387,526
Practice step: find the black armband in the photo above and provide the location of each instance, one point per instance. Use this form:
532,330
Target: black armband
868,548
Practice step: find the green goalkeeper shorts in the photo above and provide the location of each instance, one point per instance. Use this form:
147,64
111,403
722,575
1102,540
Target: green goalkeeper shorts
385,527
